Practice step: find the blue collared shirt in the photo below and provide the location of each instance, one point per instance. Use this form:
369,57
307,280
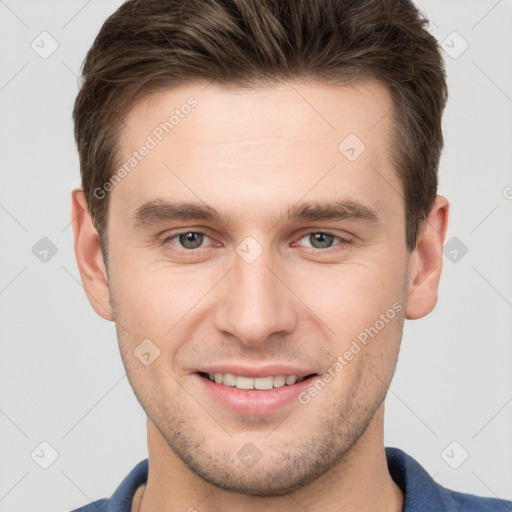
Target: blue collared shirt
421,492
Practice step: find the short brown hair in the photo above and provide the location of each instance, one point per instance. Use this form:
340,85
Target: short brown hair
151,45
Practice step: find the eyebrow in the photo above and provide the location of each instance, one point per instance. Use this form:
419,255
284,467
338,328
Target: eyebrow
159,210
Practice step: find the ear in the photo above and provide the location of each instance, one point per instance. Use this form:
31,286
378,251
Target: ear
89,257
426,261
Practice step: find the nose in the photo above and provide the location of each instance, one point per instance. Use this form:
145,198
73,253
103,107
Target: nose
254,302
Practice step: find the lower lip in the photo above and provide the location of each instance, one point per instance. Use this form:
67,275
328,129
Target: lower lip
254,401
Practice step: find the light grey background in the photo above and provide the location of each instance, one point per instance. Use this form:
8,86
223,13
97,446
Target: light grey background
61,377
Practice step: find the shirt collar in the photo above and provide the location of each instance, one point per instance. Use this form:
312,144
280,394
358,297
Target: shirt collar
419,489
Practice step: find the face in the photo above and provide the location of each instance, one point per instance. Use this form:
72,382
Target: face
287,260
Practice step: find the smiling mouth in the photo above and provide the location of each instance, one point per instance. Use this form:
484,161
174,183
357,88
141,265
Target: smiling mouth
256,383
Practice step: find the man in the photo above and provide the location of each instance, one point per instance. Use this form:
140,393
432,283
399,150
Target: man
258,216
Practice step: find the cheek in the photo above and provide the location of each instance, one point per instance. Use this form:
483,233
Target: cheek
351,297
156,296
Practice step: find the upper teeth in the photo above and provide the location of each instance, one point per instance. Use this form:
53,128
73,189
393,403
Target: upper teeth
229,379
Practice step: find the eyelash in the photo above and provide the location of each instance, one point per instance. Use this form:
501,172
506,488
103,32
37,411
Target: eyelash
341,241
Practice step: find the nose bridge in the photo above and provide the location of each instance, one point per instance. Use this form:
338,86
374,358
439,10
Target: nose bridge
254,303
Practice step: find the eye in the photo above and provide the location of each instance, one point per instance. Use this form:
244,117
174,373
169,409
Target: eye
188,240
191,240
321,240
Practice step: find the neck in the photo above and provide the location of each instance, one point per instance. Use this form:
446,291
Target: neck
360,481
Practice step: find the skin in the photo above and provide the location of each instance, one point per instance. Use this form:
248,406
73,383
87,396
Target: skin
252,154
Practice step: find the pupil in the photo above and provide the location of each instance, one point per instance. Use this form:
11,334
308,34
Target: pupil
191,240
321,240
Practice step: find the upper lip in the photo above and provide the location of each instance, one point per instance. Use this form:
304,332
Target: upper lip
251,371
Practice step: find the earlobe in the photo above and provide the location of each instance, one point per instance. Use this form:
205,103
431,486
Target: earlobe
89,256
426,262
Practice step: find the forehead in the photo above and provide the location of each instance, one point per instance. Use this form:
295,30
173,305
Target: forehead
209,140
265,110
